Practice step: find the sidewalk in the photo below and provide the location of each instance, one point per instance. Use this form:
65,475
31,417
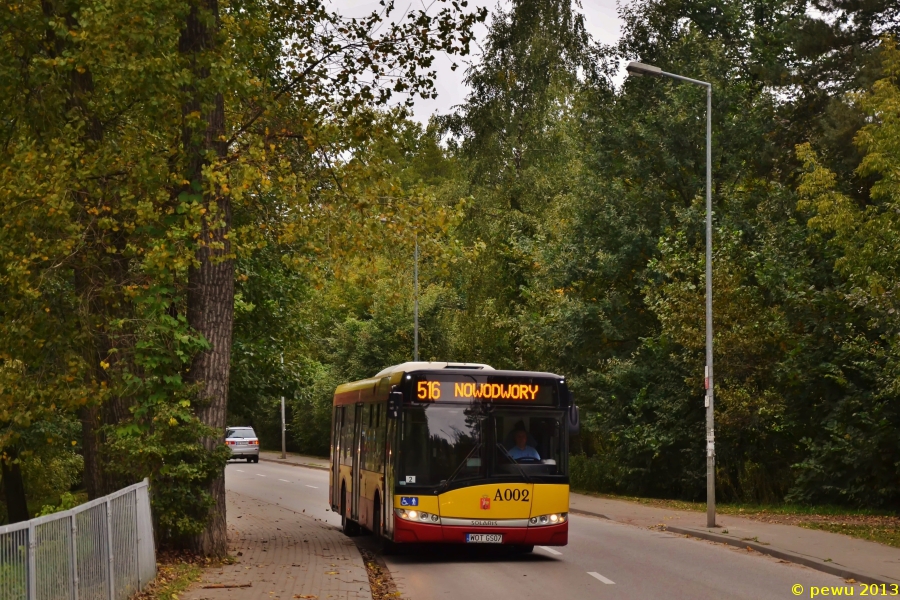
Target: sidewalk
282,555
299,460
830,552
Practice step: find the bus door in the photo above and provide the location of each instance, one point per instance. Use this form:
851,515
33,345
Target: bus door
354,478
337,424
390,459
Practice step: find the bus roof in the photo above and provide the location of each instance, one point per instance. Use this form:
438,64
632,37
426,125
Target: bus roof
359,391
409,367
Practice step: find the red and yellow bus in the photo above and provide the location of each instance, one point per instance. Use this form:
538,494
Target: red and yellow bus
453,453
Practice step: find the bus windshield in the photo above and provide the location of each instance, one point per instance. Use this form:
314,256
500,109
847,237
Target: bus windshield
451,445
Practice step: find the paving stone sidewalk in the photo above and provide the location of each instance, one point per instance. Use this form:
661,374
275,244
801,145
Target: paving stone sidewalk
283,555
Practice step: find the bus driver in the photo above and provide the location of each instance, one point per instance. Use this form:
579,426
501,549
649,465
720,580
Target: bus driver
522,449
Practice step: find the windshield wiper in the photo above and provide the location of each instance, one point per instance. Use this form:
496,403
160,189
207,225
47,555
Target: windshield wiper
515,462
447,481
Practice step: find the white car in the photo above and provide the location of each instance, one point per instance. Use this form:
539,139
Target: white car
243,443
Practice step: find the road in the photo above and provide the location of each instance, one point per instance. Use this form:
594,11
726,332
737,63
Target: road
604,559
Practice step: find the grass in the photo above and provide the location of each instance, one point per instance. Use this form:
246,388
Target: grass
174,574
883,534
867,524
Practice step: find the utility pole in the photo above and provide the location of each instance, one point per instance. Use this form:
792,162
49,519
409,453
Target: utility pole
416,301
636,68
710,412
283,441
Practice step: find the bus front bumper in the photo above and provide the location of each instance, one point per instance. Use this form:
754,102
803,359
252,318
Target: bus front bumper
545,535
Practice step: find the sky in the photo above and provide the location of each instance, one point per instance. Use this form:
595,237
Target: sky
601,19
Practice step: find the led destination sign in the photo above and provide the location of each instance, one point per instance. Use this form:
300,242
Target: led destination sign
432,390
467,389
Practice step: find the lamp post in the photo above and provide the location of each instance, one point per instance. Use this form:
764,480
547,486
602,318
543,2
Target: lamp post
416,301
636,68
283,426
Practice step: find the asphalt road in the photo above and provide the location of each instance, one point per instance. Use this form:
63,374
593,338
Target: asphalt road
604,559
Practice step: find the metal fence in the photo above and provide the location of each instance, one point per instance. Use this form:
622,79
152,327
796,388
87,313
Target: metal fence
102,550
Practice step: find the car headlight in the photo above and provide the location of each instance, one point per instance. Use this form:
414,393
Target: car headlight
551,519
415,515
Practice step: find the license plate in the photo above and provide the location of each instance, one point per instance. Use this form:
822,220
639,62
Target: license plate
484,538
240,443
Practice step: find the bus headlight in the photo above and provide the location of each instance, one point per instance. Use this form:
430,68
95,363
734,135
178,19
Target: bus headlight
415,515
551,519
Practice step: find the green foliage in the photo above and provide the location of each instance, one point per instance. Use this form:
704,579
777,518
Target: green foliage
854,458
66,502
142,141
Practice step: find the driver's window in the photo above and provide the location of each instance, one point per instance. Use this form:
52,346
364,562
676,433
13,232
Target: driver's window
529,442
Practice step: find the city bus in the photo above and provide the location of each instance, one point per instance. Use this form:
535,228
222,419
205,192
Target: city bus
433,452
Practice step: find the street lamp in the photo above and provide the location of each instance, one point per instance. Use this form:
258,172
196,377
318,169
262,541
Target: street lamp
636,68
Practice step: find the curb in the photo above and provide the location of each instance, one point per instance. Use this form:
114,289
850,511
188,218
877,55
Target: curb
793,557
282,461
576,511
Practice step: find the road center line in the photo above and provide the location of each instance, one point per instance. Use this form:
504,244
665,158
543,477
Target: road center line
258,475
596,575
550,550
312,486
239,470
284,480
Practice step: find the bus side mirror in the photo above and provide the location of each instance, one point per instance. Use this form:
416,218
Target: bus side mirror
395,399
574,420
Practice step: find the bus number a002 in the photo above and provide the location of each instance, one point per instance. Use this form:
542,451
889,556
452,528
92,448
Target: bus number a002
511,495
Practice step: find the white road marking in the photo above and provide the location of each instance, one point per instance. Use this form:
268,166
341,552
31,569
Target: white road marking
550,550
239,470
284,480
258,475
313,487
596,575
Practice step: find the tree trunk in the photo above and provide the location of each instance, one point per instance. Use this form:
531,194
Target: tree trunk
90,444
210,309
14,488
